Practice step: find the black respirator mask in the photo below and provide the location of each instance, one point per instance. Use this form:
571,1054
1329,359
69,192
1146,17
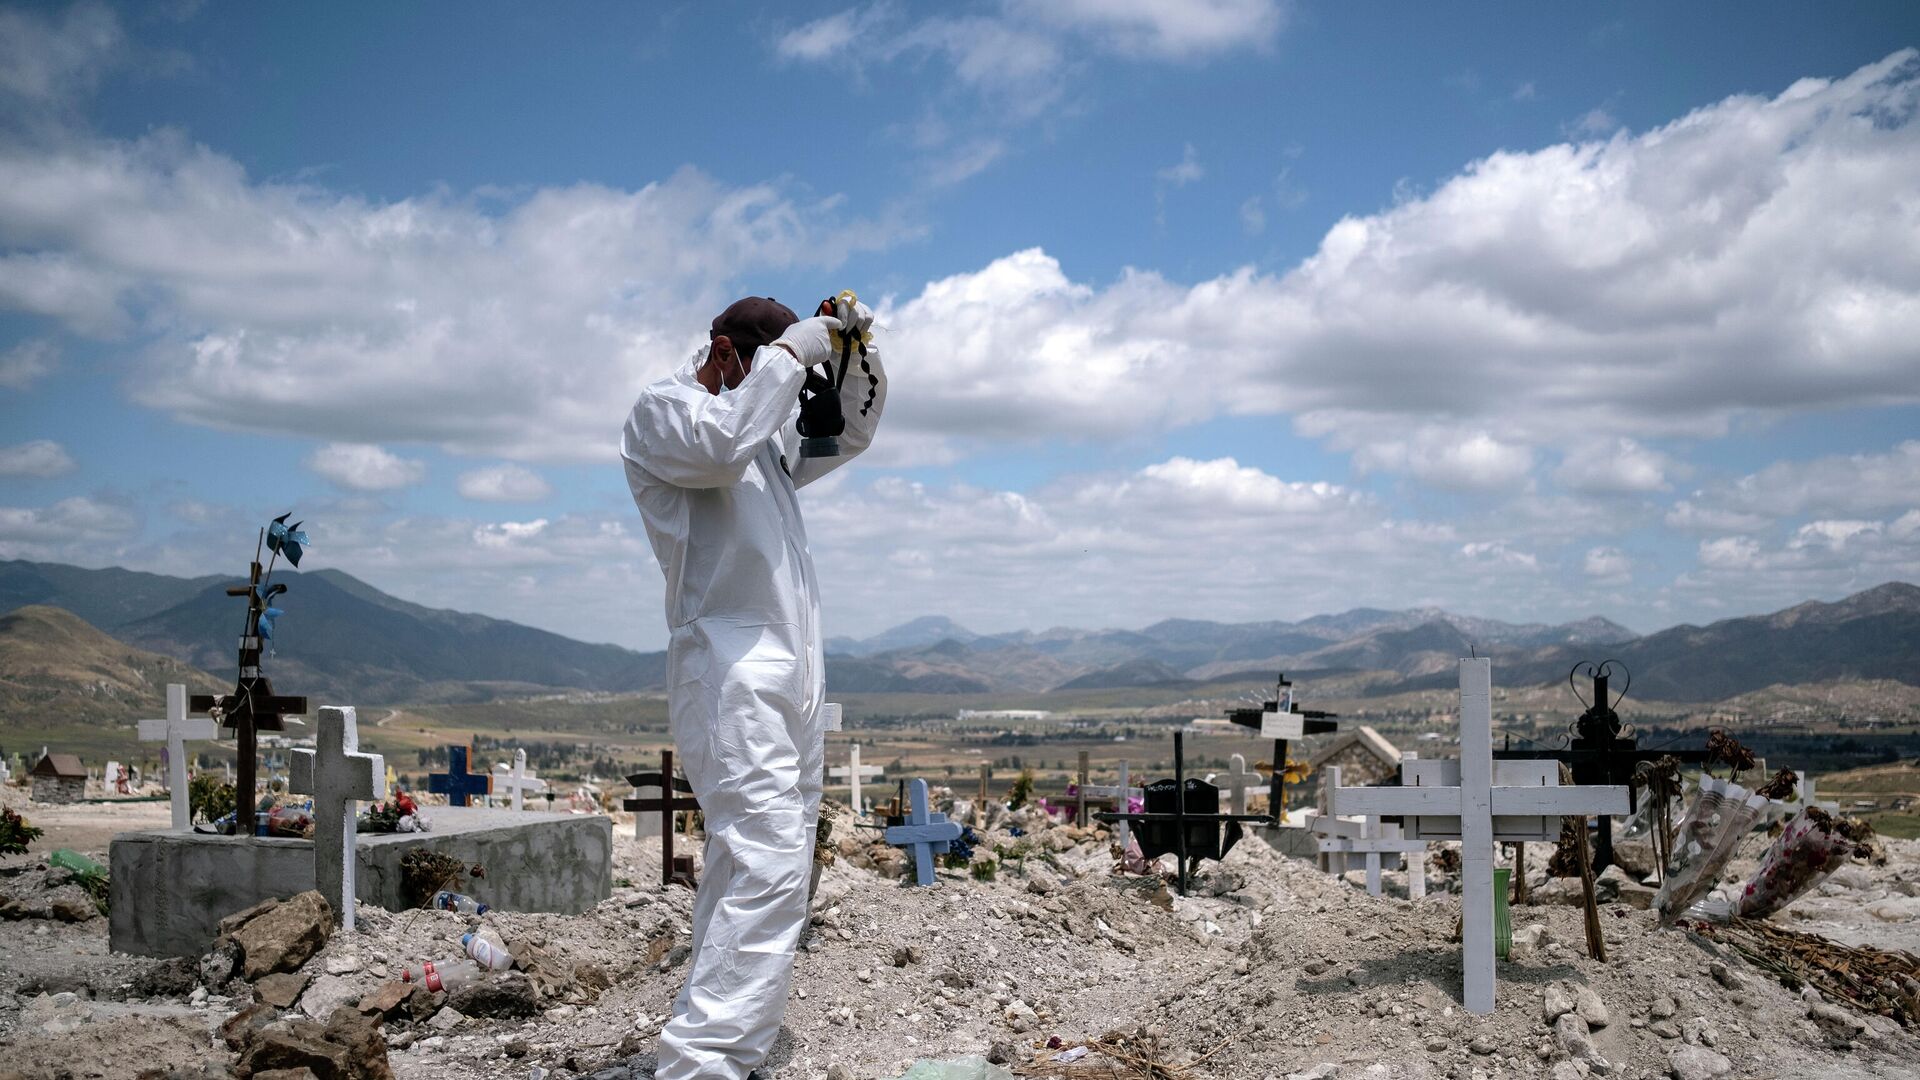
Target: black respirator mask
821,418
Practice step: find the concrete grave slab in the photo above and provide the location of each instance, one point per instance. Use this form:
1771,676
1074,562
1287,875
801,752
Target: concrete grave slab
170,890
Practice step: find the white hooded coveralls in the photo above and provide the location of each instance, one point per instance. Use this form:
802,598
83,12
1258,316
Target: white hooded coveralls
714,477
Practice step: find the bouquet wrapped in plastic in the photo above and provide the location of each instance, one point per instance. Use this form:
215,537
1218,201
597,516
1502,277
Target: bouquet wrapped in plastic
1717,820
1812,846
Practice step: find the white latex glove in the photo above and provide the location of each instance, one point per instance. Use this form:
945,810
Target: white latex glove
807,340
862,318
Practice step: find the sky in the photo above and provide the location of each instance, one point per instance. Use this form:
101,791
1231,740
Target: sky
1220,309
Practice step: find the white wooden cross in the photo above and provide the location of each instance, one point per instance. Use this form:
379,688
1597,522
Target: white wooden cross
1238,779
1478,801
1804,789
336,774
853,773
175,730
518,781
1343,837
1120,793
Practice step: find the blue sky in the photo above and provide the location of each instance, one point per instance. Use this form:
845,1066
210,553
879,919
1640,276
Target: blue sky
1204,308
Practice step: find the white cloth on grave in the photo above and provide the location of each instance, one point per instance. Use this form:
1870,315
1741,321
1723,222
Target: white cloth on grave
714,477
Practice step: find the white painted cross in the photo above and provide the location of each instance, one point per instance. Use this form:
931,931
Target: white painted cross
1804,790
1120,793
518,781
336,774
175,730
1238,779
1344,837
853,773
1478,801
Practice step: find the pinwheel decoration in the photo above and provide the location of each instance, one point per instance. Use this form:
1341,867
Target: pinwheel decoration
285,539
265,622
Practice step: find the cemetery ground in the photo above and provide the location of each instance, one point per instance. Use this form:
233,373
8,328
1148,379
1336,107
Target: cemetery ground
1270,968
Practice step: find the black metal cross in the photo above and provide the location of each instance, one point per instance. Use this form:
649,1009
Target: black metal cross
1151,827
1599,753
253,707
671,869
1276,716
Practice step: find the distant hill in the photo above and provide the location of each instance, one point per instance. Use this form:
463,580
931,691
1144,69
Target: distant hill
55,668
1870,635
346,640
341,639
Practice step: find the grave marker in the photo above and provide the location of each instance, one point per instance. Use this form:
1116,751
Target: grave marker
457,784
1479,802
1344,837
517,782
1122,797
980,807
1080,797
1237,780
1602,750
1182,818
253,707
853,773
1282,720
337,775
174,731
928,833
671,869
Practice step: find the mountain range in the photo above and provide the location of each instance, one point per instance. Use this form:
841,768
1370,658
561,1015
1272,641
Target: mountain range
344,639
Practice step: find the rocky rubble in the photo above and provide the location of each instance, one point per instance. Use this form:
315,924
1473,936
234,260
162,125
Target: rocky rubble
1270,969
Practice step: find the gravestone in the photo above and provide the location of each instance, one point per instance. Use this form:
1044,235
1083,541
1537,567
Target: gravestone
854,774
457,784
1479,802
173,732
928,833
518,781
1284,721
339,777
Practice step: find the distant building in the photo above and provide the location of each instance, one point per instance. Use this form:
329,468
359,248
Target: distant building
1003,714
59,778
1363,755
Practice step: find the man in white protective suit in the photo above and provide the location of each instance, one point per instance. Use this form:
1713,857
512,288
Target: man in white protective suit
712,457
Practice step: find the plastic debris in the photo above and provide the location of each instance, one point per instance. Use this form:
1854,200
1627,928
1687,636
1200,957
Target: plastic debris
971,1067
460,902
69,859
448,975
487,950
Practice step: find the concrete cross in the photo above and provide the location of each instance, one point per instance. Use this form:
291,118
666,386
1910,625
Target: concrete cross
517,782
927,833
1473,801
1121,795
853,773
174,731
1238,780
457,784
1343,838
337,775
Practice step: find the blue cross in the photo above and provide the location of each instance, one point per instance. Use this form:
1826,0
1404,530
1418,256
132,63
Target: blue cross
457,784
926,833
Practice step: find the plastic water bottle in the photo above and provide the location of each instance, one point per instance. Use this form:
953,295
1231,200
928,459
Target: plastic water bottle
487,950
460,902
448,975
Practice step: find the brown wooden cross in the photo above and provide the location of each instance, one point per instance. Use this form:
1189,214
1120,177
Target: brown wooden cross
671,869
253,707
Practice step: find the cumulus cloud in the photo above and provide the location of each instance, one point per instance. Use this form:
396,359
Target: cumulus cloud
503,483
428,319
28,363
1839,484
78,526
1823,558
1613,467
49,59
1616,286
365,467
40,458
1607,566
